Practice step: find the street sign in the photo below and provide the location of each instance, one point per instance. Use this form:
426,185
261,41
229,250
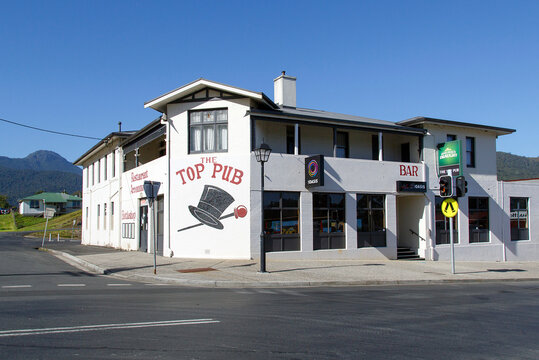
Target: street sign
151,188
49,213
450,207
412,186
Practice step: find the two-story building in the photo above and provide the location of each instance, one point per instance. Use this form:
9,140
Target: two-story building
378,191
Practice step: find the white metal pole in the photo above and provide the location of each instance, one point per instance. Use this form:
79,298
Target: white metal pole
452,245
45,232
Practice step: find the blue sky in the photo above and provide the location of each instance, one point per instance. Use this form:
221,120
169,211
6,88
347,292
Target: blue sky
81,66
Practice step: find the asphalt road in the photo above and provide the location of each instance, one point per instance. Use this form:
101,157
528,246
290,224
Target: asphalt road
50,310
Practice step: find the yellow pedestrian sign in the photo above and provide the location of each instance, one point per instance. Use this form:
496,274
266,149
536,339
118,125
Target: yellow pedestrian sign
450,207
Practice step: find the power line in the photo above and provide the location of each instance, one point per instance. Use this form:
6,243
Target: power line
49,131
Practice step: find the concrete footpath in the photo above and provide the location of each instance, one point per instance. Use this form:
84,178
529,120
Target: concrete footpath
138,266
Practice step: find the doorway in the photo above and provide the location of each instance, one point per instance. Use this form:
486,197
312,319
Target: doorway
143,229
411,226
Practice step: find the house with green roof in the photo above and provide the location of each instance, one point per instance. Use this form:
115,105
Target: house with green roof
62,203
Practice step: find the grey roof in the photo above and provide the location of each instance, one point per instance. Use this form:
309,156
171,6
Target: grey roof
331,118
119,134
422,120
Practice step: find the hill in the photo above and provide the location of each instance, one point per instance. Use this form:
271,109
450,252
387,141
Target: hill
40,171
41,160
513,167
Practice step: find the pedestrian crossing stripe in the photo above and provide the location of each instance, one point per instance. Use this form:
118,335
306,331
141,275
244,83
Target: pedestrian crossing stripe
450,207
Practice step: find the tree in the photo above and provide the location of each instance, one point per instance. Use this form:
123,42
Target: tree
4,204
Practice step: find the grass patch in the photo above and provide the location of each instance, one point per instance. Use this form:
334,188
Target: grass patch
6,223
57,222
25,221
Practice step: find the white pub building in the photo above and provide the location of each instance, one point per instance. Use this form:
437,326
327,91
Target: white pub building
336,186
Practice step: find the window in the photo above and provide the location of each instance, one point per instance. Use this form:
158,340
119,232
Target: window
341,144
93,173
371,228
105,167
375,147
98,211
519,218
208,131
104,215
113,161
112,215
470,152
98,171
87,177
451,137
442,225
281,221
478,219
328,221
290,139
34,204
86,222
405,152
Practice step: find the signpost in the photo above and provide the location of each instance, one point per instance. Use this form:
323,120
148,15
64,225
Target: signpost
151,188
48,214
450,208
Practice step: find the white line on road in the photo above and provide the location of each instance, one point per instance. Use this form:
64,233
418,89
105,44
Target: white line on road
70,285
73,329
119,284
15,286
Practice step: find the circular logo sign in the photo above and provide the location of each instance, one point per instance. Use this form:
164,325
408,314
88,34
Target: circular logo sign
313,168
450,207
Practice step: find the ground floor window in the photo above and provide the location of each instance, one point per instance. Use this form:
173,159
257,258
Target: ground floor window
34,204
478,219
442,225
371,224
281,221
328,221
519,218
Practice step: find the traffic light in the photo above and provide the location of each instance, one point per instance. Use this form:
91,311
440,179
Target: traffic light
461,186
446,188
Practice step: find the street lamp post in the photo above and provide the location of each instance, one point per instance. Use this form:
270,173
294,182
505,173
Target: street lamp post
262,155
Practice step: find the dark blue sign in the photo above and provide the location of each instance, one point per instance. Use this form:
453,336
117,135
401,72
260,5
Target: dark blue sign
314,171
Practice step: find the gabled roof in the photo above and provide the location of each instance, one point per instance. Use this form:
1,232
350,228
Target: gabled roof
318,116
101,144
418,120
160,103
53,197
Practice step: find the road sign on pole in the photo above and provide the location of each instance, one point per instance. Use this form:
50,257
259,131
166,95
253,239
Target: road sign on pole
450,208
151,188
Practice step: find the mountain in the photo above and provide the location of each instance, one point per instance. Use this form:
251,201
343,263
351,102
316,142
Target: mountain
514,167
41,160
40,171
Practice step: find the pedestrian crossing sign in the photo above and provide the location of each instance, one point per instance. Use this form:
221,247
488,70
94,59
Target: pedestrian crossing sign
450,207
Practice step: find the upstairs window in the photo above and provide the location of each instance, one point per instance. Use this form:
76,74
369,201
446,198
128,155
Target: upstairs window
451,137
470,152
208,131
341,144
105,167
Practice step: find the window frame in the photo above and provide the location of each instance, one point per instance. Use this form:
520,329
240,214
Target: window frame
470,151
329,240
342,147
214,124
280,241
478,234
521,233
442,234
371,238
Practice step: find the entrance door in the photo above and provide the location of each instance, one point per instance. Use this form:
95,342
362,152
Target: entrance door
410,227
143,232
160,203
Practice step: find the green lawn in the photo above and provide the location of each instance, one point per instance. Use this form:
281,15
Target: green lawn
37,224
6,223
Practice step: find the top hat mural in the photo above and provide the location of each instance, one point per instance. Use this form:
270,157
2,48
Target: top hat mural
213,202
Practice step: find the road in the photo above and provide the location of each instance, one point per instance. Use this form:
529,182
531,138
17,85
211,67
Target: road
50,310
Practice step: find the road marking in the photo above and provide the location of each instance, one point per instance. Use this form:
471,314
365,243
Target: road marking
74,329
156,284
70,285
16,286
119,284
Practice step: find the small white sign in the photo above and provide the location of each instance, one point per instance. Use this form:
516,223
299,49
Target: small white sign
49,213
